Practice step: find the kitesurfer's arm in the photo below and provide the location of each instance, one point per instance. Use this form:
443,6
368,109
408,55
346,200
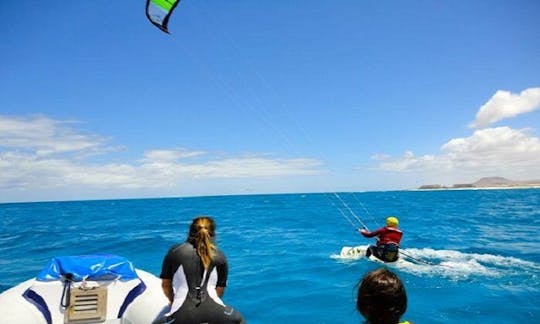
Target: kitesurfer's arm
367,233
166,285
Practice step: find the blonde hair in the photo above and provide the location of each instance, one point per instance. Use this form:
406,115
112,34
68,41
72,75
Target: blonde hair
201,236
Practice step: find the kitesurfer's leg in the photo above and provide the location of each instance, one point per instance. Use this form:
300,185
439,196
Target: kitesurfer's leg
371,250
378,252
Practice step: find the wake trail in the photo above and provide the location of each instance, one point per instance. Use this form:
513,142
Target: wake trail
448,263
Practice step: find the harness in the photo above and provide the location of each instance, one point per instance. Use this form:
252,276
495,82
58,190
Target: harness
388,252
199,292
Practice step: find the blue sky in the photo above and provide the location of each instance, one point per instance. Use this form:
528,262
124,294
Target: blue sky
251,97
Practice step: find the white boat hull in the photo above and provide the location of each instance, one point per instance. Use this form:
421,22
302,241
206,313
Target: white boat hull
144,309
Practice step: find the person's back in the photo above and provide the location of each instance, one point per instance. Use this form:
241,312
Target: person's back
381,297
194,276
190,279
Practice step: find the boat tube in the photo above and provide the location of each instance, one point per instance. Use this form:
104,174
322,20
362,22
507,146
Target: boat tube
101,288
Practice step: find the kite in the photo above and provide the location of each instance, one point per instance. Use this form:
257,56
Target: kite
159,12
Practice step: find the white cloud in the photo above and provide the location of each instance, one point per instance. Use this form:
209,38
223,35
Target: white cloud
262,167
45,136
32,157
380,157
492,151
410,162
170,155
498,151
505,104
27,171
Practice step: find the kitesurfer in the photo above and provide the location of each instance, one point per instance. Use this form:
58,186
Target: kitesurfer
194,276
388,238
382,298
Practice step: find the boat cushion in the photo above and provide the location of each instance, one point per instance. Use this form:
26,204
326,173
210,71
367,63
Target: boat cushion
88,267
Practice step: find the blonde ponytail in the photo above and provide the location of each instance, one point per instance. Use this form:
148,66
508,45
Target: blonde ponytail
201,234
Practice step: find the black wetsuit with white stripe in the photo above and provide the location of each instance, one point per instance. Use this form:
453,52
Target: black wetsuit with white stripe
195,297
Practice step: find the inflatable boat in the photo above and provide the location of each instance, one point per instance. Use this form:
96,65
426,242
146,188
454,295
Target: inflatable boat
86,289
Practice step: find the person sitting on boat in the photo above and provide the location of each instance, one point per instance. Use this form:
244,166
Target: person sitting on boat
388,238
194,276
382,298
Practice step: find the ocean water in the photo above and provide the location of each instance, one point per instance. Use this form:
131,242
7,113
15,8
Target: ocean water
473,256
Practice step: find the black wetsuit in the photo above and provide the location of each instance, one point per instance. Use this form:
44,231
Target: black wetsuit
195,297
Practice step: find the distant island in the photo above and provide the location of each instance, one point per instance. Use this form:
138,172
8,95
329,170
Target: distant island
488,182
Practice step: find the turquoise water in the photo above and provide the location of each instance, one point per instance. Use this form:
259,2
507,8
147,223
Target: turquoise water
479,250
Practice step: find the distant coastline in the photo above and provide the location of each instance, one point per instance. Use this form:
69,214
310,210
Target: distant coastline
486,183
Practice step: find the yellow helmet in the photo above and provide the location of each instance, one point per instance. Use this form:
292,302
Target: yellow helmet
392,221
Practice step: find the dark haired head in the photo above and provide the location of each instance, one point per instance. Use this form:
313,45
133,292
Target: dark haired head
381,297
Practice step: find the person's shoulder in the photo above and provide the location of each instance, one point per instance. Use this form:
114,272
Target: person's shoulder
219,252
181,248
219,256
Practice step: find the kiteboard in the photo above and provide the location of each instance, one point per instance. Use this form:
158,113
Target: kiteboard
356,253
353,252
